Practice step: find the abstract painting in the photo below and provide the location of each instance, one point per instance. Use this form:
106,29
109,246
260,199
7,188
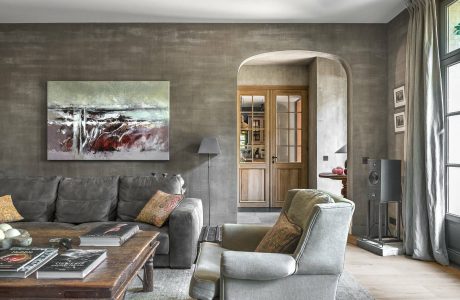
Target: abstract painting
108,120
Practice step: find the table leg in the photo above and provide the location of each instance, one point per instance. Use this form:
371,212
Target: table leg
344,187
148,275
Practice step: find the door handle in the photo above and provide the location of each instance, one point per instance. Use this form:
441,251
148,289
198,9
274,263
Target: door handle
274,158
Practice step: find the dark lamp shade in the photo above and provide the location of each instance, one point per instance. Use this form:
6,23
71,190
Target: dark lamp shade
343,149
209,145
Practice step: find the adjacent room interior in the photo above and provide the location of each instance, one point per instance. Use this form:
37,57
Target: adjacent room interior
292,149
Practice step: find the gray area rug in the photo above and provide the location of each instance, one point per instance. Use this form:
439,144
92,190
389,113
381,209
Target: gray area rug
173,285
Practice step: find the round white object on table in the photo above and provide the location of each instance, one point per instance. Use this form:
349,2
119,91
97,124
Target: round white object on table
5,227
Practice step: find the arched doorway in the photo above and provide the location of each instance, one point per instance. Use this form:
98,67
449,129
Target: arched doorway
268,97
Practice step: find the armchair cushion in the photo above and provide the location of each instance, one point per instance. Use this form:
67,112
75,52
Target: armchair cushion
257,266
243,237
301,209
282,238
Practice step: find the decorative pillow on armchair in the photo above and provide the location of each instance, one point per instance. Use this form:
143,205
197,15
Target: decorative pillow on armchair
283,237
8,213
158,208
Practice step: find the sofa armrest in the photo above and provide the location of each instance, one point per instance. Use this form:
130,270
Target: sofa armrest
185,224
256,265
243,237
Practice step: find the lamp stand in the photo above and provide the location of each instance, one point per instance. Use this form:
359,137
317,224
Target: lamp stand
209,190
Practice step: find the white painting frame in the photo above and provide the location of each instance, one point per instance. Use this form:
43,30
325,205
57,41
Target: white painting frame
399,97
400,122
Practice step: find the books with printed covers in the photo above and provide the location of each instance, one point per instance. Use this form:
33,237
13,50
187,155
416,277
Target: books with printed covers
73,263
32,266
109,235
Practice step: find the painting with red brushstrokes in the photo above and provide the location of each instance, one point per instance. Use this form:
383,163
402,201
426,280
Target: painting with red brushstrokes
108,120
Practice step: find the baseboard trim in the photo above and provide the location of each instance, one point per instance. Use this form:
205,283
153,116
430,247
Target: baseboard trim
454,256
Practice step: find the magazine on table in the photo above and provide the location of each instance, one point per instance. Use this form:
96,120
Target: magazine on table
72,264
109,235
24,261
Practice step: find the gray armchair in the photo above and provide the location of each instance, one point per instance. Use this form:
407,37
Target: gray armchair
234,271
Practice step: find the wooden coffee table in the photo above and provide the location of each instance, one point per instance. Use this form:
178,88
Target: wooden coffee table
108,281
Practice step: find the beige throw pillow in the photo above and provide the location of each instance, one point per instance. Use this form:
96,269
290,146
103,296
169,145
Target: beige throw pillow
283,237
8,213
301,208
157,210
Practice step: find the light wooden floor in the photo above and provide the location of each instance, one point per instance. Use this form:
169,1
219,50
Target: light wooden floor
399,277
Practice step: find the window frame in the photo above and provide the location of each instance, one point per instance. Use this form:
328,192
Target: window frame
447,60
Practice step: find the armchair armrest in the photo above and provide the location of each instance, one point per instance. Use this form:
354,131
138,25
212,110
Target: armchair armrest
185,224
256,265
243,237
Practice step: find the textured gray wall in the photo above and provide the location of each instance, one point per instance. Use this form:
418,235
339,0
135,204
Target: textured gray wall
331,119
201,62
397,35
273,75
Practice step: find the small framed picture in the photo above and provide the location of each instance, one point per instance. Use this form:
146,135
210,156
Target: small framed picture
399,96
400,122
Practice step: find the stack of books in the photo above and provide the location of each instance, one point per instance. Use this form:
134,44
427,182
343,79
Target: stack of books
73,263
109,235
20,262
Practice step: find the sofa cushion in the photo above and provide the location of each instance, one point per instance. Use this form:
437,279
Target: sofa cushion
163,236
43,225
206,277
301,209
33,197
157,210
135,192
8,213
91,199
283,237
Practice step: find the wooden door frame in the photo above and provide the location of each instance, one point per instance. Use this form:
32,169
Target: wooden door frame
268,90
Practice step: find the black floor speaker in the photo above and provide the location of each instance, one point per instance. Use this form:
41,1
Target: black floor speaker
384,180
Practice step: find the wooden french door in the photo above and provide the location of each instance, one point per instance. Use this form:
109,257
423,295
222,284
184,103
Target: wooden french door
272,137
288,146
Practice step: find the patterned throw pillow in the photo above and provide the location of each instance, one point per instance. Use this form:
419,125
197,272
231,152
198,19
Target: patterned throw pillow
283,237
8,213
158,208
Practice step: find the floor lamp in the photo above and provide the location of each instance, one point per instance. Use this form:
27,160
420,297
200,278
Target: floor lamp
209,145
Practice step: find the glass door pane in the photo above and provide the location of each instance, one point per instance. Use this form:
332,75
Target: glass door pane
453,188
288,128
453,144
453,26
453,88
252,129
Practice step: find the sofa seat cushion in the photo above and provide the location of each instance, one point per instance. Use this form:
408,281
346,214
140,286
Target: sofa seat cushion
91,199
35,226
33,197
206,277
135,192
163,236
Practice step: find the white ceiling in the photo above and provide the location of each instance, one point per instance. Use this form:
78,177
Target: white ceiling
199,11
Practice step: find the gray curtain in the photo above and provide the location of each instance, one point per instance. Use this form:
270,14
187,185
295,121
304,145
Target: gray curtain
424,198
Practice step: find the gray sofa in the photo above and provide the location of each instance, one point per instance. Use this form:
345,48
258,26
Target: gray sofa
84,203
233,270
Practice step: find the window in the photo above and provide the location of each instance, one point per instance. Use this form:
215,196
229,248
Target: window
450,64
